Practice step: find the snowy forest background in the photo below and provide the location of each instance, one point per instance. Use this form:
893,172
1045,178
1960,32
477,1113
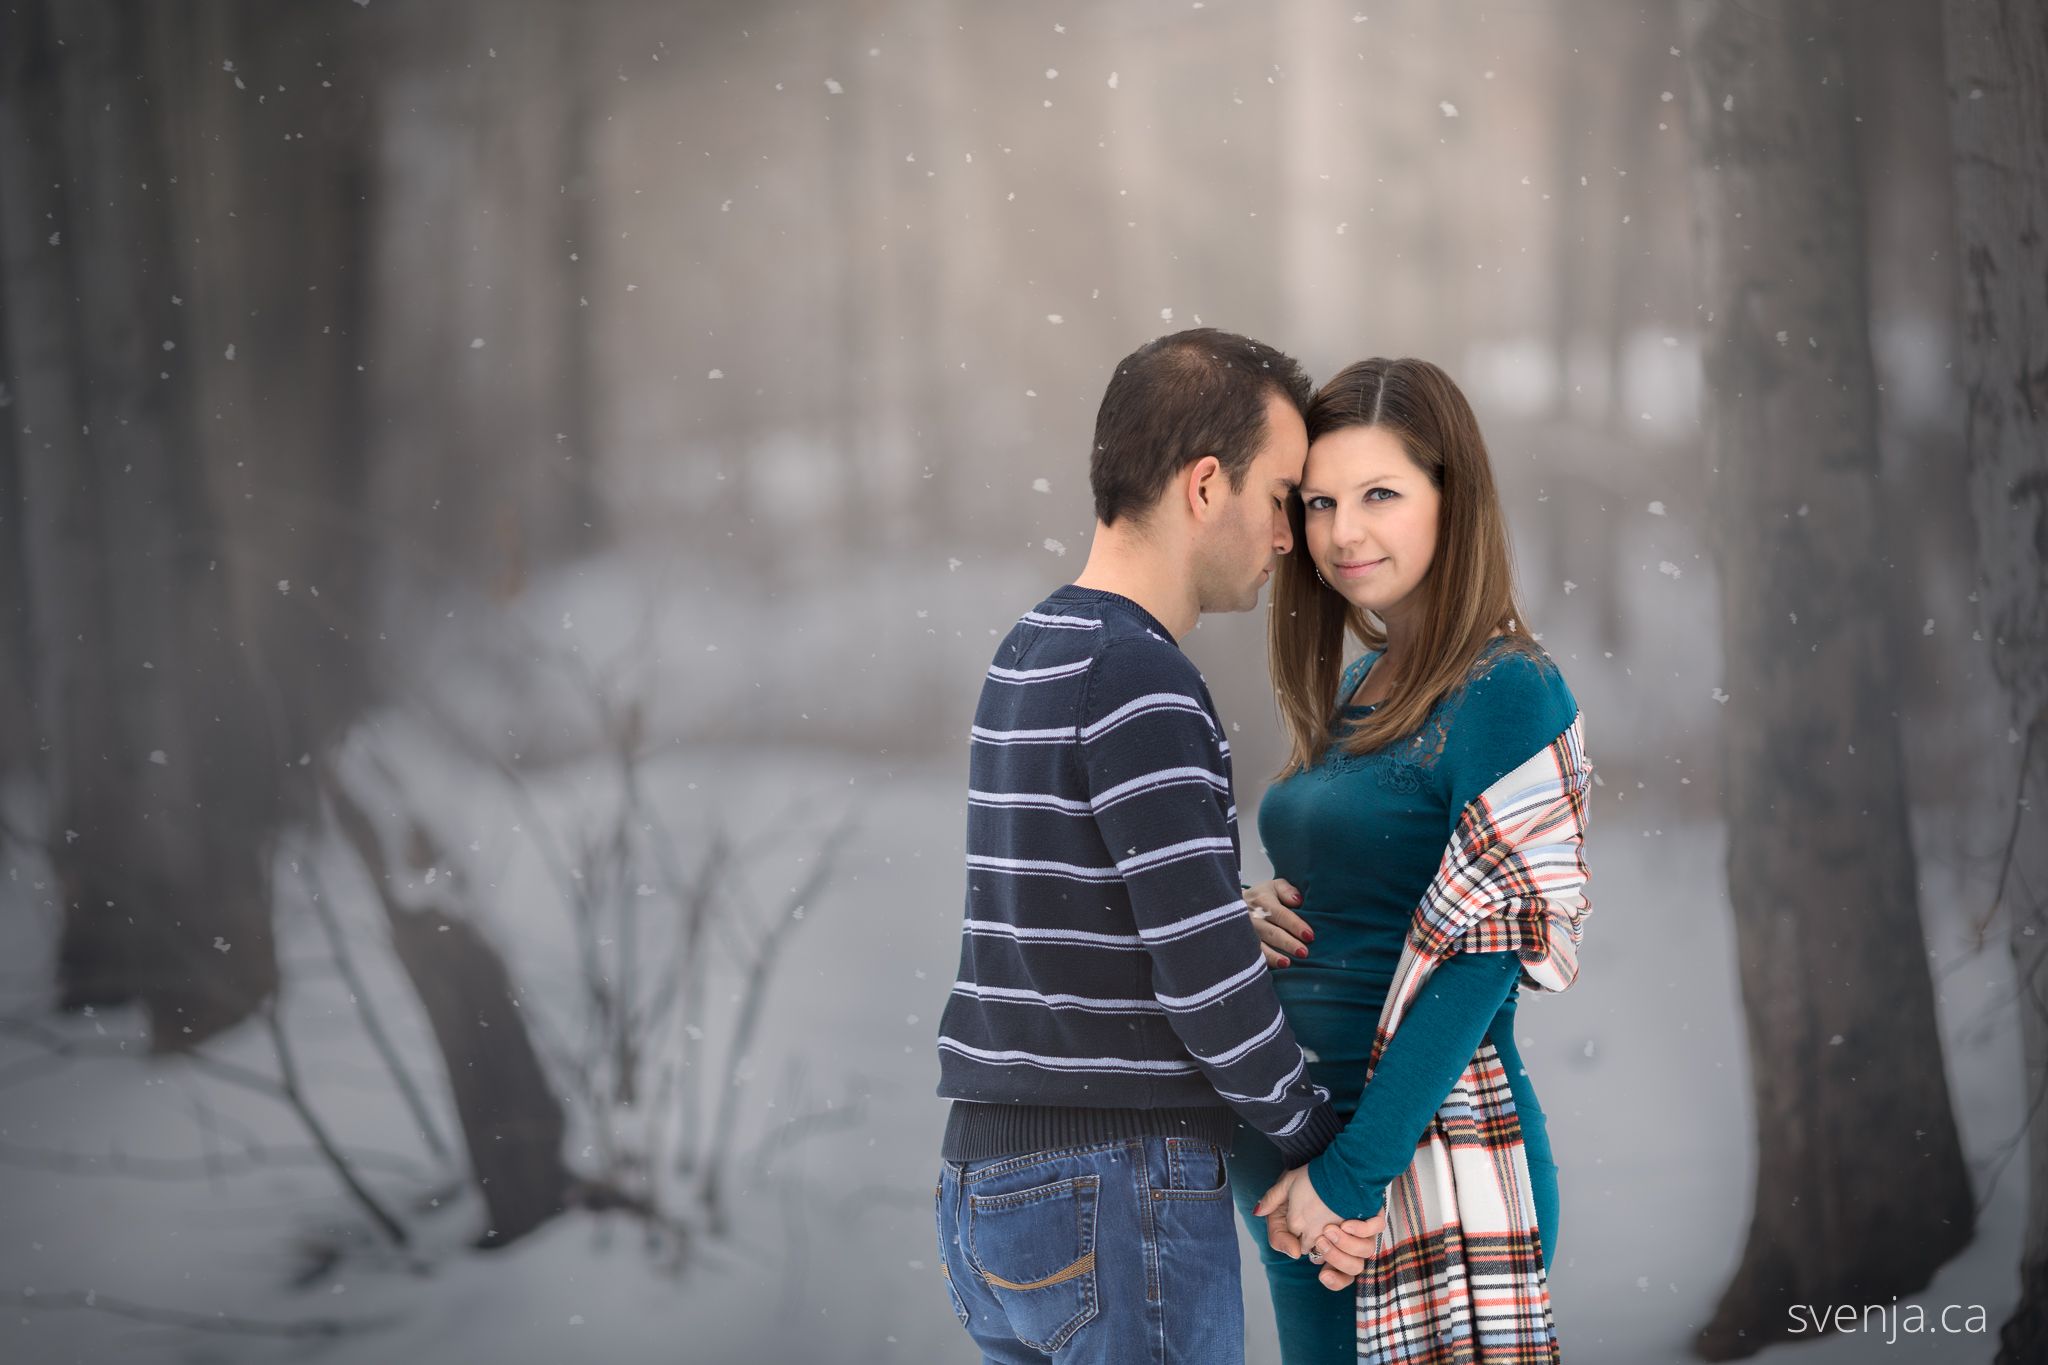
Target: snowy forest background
504,508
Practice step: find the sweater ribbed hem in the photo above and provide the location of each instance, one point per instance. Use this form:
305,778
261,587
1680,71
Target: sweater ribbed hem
1308,1141
981,1132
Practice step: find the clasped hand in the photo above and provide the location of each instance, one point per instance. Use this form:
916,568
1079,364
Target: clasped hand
1298,1220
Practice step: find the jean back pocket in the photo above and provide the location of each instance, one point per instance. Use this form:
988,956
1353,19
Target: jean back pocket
1035,1250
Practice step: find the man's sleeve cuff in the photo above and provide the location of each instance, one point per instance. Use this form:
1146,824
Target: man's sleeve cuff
1312,1137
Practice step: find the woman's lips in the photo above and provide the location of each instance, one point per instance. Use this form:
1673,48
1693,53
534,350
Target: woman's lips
1359,570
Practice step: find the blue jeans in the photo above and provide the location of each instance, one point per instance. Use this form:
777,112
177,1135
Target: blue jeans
1121,1252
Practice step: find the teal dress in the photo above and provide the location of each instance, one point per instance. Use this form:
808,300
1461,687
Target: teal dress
1361,838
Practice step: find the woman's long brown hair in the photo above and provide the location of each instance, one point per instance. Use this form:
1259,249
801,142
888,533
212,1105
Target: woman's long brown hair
1469,589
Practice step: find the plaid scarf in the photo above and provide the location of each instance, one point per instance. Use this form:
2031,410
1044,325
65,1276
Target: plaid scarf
1458,1278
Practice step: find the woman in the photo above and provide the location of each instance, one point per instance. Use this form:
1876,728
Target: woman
1427,827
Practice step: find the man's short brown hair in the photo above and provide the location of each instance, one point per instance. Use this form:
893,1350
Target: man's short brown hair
1176,399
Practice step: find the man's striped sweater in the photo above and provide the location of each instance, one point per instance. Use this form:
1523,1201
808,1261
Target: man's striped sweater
1110,982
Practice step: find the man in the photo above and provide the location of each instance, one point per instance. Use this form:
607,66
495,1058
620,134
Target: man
1113,1017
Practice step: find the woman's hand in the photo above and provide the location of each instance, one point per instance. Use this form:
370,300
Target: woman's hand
1283,935
1298,1221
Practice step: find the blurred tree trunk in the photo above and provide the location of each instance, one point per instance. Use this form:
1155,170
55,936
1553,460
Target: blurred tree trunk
925,272
1900,89
512,1123
1998,91
850,175
487,464
273,155
1571,255
1635,112
17,730
1861,1190
1318,141
160,758
581,515
161,761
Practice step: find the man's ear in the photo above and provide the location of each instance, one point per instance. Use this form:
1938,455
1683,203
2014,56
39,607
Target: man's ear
1203,488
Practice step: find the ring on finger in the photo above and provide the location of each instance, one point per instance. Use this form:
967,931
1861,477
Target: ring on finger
1257,913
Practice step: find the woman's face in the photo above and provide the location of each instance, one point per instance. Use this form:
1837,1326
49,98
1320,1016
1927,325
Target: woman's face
1368,516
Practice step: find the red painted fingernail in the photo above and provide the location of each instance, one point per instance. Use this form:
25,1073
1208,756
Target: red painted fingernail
1309,935
1301,952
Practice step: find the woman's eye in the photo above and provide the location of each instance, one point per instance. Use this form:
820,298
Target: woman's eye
1369,494
1318,503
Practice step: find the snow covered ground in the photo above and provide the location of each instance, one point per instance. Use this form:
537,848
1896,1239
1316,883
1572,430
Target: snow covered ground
834,1256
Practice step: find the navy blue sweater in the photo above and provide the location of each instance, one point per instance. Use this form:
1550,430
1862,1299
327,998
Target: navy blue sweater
1110,982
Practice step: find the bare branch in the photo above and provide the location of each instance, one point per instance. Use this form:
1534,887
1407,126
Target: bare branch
749,1016
1981,926
373,1025
293,1095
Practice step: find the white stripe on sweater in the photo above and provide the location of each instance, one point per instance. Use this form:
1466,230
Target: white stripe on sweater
1122,791
1089,1003
1040,1059
1039,618
1032,675
1173,853
1002,929
1058,735
1265,1035
1031,800
1273,1096
1044,867
1163,777
1234,982
1193,924
1138,706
